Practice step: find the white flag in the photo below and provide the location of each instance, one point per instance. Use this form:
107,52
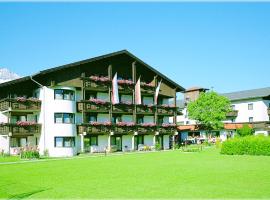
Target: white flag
115,95
156,93
138,99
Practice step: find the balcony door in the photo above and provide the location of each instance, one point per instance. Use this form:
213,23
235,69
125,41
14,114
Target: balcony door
117,141
159,140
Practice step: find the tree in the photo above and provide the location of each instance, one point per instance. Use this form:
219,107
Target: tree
209,110
245,131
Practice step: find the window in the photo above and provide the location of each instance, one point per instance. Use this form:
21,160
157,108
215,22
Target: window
233,107
64,94
250,119
92,118
64,141
64,118
187,122
93,140
250,106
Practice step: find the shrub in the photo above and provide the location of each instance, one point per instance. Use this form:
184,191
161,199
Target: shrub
30,154
249,145
157,147
244,131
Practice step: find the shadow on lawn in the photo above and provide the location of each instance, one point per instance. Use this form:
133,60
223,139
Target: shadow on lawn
26,194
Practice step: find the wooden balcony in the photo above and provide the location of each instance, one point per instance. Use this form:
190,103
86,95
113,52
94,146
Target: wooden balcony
123,108
93,129
124,129
144,109
233,113
89,84
165,110
15,105
147,90
146,129
166,130
87,106
17,130
124,88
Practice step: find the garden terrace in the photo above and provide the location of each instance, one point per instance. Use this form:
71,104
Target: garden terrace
88,106
233,113
20,104
19,130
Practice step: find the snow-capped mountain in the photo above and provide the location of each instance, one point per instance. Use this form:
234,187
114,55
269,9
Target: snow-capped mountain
6,75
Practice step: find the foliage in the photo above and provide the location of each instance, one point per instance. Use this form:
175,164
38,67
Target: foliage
30,154
249,145
218,143
209,110
245,131
157,146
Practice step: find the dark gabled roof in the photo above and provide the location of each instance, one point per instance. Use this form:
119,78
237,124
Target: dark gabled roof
248,94
43,72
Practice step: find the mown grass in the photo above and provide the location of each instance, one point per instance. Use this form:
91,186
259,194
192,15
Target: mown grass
171,174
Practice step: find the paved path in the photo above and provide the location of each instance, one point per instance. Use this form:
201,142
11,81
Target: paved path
80,157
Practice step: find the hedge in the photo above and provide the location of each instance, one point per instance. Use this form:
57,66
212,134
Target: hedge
249,145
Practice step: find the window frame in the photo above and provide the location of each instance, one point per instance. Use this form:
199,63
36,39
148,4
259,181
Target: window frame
250,119
73,144
62,117
71,93
250,106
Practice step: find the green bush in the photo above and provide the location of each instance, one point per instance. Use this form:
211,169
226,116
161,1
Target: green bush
30,154
157,147
249,145
245,131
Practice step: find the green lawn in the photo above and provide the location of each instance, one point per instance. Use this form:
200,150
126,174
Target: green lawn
172,174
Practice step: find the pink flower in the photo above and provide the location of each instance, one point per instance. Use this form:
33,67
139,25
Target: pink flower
98,101
125,82
126,102
149,124
99,78
151,85
101,123
125,124
21,123
168,125
21,99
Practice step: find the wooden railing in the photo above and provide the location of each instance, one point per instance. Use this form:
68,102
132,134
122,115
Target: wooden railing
123,108
145,109
102,129
233,113
15,129
89,106
166,110
15,105
95,85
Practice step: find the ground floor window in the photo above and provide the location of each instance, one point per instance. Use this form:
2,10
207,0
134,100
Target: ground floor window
18,142
64,141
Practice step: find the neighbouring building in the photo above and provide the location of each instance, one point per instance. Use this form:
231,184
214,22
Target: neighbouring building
250,107
68,109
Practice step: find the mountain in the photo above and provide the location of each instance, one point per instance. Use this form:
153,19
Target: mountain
6,75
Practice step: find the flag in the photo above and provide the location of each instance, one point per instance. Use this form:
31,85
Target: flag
115,96
138,99
156,93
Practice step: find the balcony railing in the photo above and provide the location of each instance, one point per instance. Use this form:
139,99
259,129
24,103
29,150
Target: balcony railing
144,109
116,129
123,108
17,130
20,105
95,85
233,113
87,106
166,110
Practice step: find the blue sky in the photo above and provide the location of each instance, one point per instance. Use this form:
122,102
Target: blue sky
220,45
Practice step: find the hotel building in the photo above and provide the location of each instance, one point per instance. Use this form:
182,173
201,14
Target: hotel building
250,107
68,109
